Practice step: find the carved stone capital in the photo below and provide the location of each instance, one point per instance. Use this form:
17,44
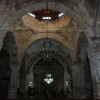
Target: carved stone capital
96,43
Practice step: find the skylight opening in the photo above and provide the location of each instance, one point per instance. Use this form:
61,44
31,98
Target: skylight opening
61,14
46,18
31,15
46,14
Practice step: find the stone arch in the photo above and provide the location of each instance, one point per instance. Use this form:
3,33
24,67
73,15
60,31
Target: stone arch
9,45
51,38
36,57
64,65
24,71
58,57
15,15
56,37
81,51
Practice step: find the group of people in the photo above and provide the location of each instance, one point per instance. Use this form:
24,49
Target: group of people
32,93
60,93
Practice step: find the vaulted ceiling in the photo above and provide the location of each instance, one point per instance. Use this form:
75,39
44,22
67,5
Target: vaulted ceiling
65,30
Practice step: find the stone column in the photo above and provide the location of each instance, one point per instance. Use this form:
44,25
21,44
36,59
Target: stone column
23,83
31,79
12,93
94,57
65,79
78,80
70,85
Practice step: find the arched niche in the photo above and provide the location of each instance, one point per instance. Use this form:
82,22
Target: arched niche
61,50
31,57
9,45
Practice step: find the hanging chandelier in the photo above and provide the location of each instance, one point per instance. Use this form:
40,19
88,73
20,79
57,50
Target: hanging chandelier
48,79
47,52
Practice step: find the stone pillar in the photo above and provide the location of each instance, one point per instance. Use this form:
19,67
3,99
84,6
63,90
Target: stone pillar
31,79
23,83
12,93
94,57
69,77
65,79
78,80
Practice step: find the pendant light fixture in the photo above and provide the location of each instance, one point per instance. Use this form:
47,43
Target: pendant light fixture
48,79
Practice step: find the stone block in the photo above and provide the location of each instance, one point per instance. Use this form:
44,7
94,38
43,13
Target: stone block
51,5
42,5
